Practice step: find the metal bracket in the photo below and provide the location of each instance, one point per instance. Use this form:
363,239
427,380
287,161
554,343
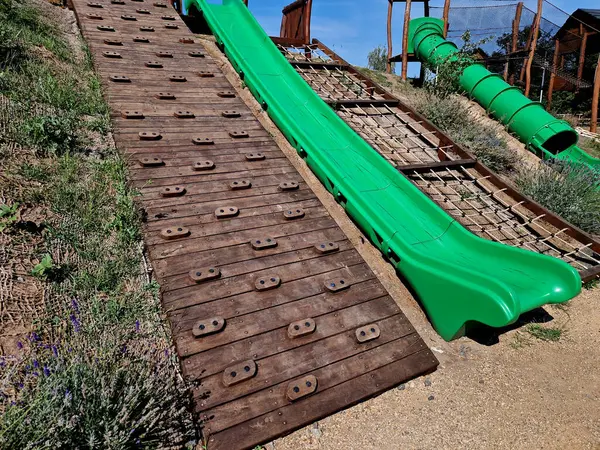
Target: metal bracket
174,233
204,74
177,78
239,372
204,274
293,214
173,191
112,42
239,134
95,17
266,283
154,64
367,333
172,26
255,156
165,96
337,284
301,328
226,211
203,165
327,247
184,114
168,17
105,28
164,54
288,186
95,5
208,326
151,162
126,17
111,55
142,11
117,2
147,29
196,54
160,5
120,79
141,39
301,387
149,136
231,114
226,94
238,185
203,141
132,115
263,243
186,40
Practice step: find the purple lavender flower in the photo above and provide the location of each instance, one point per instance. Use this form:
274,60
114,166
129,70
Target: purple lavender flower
20,345
76,324
34,337
46,371
55,350
124,349
36,363
137,325
75,305
36,374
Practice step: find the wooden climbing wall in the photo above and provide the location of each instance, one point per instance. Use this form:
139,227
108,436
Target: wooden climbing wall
277,319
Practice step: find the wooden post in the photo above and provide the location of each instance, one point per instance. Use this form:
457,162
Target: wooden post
515,36
388,66
405,40
581,59
536,29
595,94
445,16
307,15
553,74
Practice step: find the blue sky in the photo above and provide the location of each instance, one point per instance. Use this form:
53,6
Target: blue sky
354,27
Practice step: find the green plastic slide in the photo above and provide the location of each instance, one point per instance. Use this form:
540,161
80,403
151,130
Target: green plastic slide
539,130
459,278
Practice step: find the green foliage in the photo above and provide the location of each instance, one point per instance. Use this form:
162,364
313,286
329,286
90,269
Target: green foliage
377,59
8,215
42,268
450,114
570,190
56,133
544,334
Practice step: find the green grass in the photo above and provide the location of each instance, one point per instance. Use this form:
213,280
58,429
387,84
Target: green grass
550,334
97,369
592,146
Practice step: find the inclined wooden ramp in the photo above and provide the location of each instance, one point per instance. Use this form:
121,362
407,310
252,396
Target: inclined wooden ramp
277,319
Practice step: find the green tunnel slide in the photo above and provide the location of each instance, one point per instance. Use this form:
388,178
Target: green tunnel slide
459,278
539,130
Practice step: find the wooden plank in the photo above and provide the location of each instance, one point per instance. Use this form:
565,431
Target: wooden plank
438,165
254,321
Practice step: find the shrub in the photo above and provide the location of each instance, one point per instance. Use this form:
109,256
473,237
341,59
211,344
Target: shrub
377,59
570,190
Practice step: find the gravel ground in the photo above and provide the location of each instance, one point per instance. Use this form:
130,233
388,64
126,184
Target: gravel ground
506,390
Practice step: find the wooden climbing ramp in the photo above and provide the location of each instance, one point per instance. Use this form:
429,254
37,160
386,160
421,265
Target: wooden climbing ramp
276,317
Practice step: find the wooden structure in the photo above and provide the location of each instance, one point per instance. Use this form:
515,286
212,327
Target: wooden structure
579,35
295,23
404,57
266,296
460,184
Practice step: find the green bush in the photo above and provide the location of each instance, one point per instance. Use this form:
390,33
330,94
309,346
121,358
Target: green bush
377,59
570,190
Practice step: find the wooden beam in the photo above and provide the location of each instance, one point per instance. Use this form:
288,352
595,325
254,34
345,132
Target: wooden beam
552,74
536,29
426,167
445,16
405,40
388,65
307,16
581,59
595,94
337,104
515,36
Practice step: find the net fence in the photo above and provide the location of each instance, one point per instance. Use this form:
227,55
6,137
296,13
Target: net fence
502,35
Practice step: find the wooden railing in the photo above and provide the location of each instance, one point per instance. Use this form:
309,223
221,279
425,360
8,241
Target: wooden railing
295,23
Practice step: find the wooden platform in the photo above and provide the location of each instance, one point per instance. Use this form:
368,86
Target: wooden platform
277,319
